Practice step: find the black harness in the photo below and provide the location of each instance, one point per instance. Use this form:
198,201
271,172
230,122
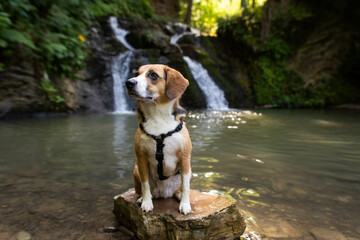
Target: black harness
159,154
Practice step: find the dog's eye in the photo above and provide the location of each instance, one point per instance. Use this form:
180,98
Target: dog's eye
153,76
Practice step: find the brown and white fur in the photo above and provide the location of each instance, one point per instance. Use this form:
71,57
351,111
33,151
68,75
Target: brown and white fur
157,90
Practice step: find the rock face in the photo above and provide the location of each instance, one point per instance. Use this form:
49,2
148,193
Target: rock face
22,94
213,217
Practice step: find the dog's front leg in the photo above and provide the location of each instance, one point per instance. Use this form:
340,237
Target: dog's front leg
185,207
146,204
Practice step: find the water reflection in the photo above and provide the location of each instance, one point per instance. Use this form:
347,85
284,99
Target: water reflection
282,165
288,170
123,142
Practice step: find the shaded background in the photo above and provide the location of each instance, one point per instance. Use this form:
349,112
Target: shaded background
56,55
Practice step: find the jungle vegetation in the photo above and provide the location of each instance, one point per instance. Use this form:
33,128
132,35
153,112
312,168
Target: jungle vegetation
54,33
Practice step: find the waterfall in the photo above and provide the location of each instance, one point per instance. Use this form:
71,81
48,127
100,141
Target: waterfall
215,97
120,68
119,33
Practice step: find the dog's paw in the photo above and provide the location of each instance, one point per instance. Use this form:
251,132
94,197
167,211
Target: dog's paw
147,205
185,207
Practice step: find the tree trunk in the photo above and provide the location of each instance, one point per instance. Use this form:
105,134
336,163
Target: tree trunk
188,12
244,4
266,20
253,3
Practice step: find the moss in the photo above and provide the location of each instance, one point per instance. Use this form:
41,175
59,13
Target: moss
153,56
144,34
187,39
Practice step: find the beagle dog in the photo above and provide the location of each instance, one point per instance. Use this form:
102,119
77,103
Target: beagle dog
162,141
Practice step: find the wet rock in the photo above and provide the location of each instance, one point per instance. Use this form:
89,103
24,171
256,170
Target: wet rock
188,39
348,106
144,35
22,236
298,191
281,229
325,234
19,92
126,231
324,51
4,235
213,217
50,205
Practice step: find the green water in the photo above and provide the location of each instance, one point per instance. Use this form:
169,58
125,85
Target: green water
289,170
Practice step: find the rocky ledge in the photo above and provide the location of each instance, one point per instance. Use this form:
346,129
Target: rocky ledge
212,217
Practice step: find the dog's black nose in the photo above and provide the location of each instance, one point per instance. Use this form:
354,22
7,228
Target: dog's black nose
130,84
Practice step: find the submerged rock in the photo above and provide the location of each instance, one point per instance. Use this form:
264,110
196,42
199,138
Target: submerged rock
324,234
22,236
212,217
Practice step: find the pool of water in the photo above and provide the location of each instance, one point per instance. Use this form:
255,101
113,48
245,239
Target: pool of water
294,173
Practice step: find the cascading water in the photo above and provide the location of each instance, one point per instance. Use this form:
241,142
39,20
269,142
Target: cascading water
120,68
120,33
215,97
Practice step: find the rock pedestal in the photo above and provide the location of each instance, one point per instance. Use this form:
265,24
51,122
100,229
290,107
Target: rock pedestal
212,217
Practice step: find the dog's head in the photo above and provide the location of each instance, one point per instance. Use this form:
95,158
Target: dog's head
158,83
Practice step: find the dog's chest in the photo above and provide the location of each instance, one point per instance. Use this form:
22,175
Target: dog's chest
172,145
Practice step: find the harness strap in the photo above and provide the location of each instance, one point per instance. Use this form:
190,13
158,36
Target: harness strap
159,154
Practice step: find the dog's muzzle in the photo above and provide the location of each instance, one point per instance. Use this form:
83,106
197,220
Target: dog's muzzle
131,84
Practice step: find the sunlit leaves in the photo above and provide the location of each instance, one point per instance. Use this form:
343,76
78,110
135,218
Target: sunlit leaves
206,13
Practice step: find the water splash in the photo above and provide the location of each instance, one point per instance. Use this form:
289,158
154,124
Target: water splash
215,97
120,68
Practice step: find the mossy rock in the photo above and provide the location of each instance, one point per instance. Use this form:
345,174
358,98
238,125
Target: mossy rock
113,47
188,39
146,35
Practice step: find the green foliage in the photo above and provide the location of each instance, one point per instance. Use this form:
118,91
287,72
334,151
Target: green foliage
54,32
206,13
51,92
11,35
245,28
130,8
298,13
273,82
276,84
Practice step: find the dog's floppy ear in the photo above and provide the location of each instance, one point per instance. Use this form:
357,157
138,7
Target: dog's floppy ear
176,83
